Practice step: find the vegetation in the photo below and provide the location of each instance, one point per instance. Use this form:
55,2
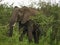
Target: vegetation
48,18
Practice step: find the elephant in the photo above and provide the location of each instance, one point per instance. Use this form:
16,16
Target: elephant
22,16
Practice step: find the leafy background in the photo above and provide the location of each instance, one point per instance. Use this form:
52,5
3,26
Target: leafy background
48,18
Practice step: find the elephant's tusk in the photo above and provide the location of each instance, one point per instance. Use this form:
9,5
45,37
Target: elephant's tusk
14,24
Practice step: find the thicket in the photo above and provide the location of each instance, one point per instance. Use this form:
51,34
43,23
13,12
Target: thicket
48,18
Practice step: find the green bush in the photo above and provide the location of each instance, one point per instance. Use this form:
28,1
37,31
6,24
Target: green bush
48,19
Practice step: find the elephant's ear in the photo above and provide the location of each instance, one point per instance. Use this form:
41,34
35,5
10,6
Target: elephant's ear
26,17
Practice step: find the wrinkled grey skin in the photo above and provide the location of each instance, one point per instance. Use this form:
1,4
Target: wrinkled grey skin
22,16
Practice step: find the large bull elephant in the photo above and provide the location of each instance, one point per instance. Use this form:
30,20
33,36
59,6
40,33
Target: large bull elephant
22,16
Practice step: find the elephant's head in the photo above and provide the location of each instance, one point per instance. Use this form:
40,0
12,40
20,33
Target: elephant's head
22,14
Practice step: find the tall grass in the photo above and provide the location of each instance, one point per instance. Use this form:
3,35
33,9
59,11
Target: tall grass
49,24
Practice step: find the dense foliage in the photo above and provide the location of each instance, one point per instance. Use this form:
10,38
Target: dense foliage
48,18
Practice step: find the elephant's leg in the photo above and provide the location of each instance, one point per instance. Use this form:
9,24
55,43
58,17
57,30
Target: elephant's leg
30,30
36,36
36,33
23,33
30,36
